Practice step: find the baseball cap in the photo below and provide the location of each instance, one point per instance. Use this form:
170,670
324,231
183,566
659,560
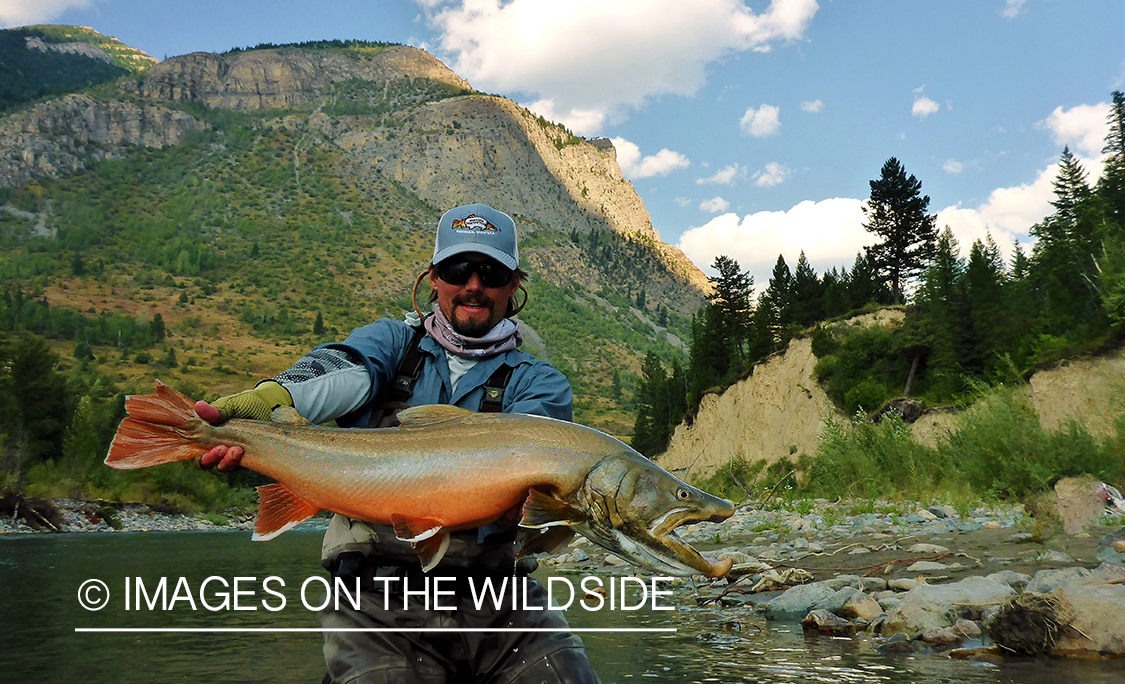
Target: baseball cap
477,228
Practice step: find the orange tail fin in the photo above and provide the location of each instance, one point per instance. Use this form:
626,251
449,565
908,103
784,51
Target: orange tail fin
155,431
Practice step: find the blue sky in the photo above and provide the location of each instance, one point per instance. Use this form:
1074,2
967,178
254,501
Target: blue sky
749,128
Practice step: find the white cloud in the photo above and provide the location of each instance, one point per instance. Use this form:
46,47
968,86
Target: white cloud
724,176
953,166
761,122
592,56
682,201
1083,127
24,12
1013,8
714,205
830,232
923,107
773,174
1009,213
580,121
812,107
634,166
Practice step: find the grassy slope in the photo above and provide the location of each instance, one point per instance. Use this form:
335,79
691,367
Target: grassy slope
238,253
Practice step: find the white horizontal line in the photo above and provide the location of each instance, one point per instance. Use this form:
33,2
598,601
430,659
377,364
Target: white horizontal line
227,630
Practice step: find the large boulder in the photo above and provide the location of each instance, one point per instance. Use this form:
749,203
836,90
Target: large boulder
931,607
1097,604
795,603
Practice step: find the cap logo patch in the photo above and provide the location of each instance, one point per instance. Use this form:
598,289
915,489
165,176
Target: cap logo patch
473,224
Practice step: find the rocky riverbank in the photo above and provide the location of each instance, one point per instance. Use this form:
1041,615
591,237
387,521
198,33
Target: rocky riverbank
985,583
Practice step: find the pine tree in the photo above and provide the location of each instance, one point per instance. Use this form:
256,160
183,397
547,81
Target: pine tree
896,212
731,301
942,330
1070,186
775,308
807,296
984,294
651,431
1111,186
318,325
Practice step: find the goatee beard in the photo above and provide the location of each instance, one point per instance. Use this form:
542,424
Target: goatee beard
471,328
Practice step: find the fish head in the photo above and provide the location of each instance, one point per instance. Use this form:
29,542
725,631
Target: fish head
633,508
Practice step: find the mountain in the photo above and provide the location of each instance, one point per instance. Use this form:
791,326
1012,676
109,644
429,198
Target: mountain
43,61
263,200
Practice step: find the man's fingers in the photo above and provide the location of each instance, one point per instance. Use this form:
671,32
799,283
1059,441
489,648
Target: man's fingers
212,458
230,460
207,412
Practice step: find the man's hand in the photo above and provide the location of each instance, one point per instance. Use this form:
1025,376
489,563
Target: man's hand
256,404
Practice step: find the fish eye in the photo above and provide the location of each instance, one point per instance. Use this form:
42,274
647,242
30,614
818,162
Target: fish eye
683,494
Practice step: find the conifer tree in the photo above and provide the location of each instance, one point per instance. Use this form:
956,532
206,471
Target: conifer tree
652,430
896,212
807,297
1111,186
984,295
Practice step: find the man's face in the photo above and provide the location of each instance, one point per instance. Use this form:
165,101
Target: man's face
472,308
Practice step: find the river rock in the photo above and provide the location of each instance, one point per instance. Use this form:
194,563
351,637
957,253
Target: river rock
795,602
944,511
1054,557
1046,581
927,566
932,607
904,583
825,622
1097,602
1016,580
836,600
860,605
927,548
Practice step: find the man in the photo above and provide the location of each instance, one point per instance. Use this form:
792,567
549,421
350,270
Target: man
465,353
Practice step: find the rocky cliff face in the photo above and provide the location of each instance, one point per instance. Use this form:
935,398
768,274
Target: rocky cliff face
283,78
446,150
60,137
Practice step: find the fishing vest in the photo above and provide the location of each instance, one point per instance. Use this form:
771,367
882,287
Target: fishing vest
347,540
392,399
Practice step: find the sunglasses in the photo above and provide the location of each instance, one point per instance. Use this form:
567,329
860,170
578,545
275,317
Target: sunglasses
458,272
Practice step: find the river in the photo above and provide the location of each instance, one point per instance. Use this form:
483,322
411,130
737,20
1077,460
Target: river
40,576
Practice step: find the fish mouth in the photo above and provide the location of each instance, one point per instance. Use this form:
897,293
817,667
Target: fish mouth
663,532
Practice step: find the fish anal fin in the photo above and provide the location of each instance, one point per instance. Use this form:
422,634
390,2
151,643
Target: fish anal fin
288,415
431,550
544,510
415,530
549,541
431,414
279,509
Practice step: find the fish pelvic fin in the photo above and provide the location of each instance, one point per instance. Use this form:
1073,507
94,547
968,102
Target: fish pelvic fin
432,549
544,510
414,530
551,540
155,431
279,509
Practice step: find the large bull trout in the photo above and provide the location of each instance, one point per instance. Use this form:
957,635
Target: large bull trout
444,469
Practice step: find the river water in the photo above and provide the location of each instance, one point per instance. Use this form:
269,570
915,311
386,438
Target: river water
40,577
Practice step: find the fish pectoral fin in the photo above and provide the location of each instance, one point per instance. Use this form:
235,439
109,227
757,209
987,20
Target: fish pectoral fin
544,510
288,415
549,541
430,414
279,509
414,530
431,550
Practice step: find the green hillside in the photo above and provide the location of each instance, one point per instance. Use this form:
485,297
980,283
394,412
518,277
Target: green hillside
28,74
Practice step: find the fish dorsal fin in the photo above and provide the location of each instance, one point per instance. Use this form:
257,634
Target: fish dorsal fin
431,414
288,415
544,510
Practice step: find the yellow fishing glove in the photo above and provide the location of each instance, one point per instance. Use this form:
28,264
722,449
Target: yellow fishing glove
255,404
